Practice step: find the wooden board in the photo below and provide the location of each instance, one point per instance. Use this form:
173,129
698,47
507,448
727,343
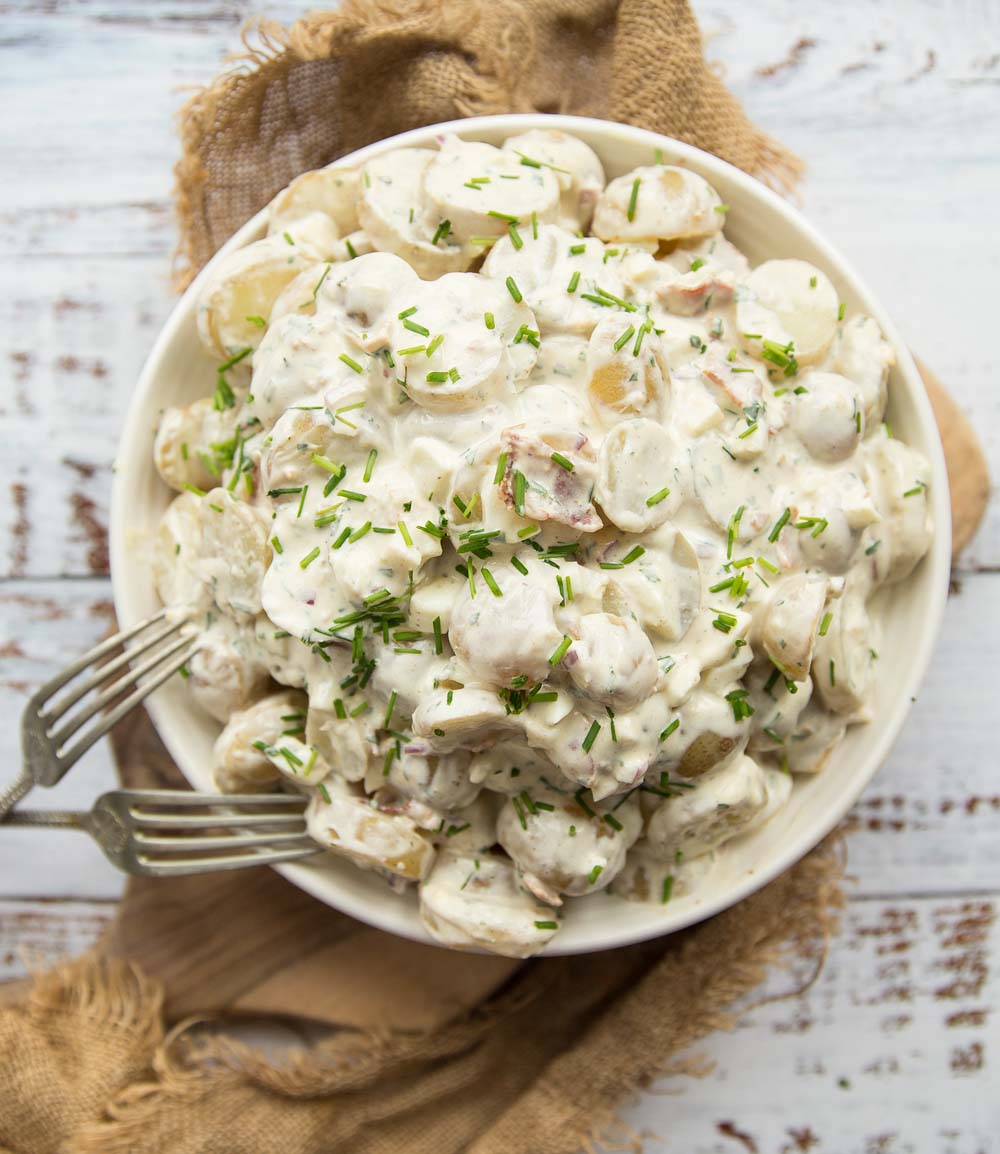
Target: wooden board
896,108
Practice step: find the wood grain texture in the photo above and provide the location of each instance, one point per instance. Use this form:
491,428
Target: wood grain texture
896,109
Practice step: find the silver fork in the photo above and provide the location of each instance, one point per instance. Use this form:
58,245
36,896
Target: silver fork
54,737
169,833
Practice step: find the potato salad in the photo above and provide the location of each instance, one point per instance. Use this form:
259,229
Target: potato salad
530,531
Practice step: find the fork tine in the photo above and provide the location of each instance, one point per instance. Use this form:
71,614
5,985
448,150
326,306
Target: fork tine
173,797
60,708
146,843
68,728
111,719
46,691
196,821
178,867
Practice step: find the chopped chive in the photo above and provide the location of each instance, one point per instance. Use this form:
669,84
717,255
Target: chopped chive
574,281
359,533
504,216
529,531
588,741
434,345
515,237
500,469
406,313
325,463
671,728
624,338
342,538
351,495
487,576
747,432
258,322
658,496
546,925
352,252
319,283
779,525
633,555
919,487
563,462
350,362
302,500
560,651
833,674
437,378
825,624
490,321
519,487
842,311
404,532
633,198
412,351
370,465
309,558
668,881
414,327
514,291
594,874
276,545
732,532
442,231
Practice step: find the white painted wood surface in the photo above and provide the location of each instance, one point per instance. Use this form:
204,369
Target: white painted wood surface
896,108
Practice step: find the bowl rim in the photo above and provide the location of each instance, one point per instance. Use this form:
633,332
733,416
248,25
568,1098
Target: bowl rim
393,915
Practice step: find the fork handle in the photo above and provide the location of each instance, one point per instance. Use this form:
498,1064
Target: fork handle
13,793
57,818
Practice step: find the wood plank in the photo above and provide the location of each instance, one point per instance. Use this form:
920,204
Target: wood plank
892,1050
35,934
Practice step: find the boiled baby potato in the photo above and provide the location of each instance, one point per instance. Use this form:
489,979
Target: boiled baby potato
240,766
660,202
787,314
475,901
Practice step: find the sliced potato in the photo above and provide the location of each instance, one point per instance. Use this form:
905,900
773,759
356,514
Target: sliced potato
612,661
242,290
897,477
333,191
634,478
191,445
829,417
625,382
647,878
234,553
397,220
474,901
659,202
723,804
349,824
791,623
788,311
576,167
479,189
567,847
239,765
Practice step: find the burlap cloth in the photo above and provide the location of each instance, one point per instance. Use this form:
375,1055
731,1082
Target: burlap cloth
434,1052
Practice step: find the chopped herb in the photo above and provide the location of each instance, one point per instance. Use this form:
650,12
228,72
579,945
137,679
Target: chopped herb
515,237
414,327
624,338
561,650
671,728
350,362
741,707
842,311
490,321
594,874
514,291
546,925
588,741
779,525
732,532
563,462
442,231
519,488
633,198
574,281
488,577
668,887
658,496
309,558
824,625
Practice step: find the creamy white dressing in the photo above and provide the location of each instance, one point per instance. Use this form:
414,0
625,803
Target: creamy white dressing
569,559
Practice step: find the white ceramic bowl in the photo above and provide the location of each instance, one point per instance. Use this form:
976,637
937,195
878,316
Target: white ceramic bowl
763,225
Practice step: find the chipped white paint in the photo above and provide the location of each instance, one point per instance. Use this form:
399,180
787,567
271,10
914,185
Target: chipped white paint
896,108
